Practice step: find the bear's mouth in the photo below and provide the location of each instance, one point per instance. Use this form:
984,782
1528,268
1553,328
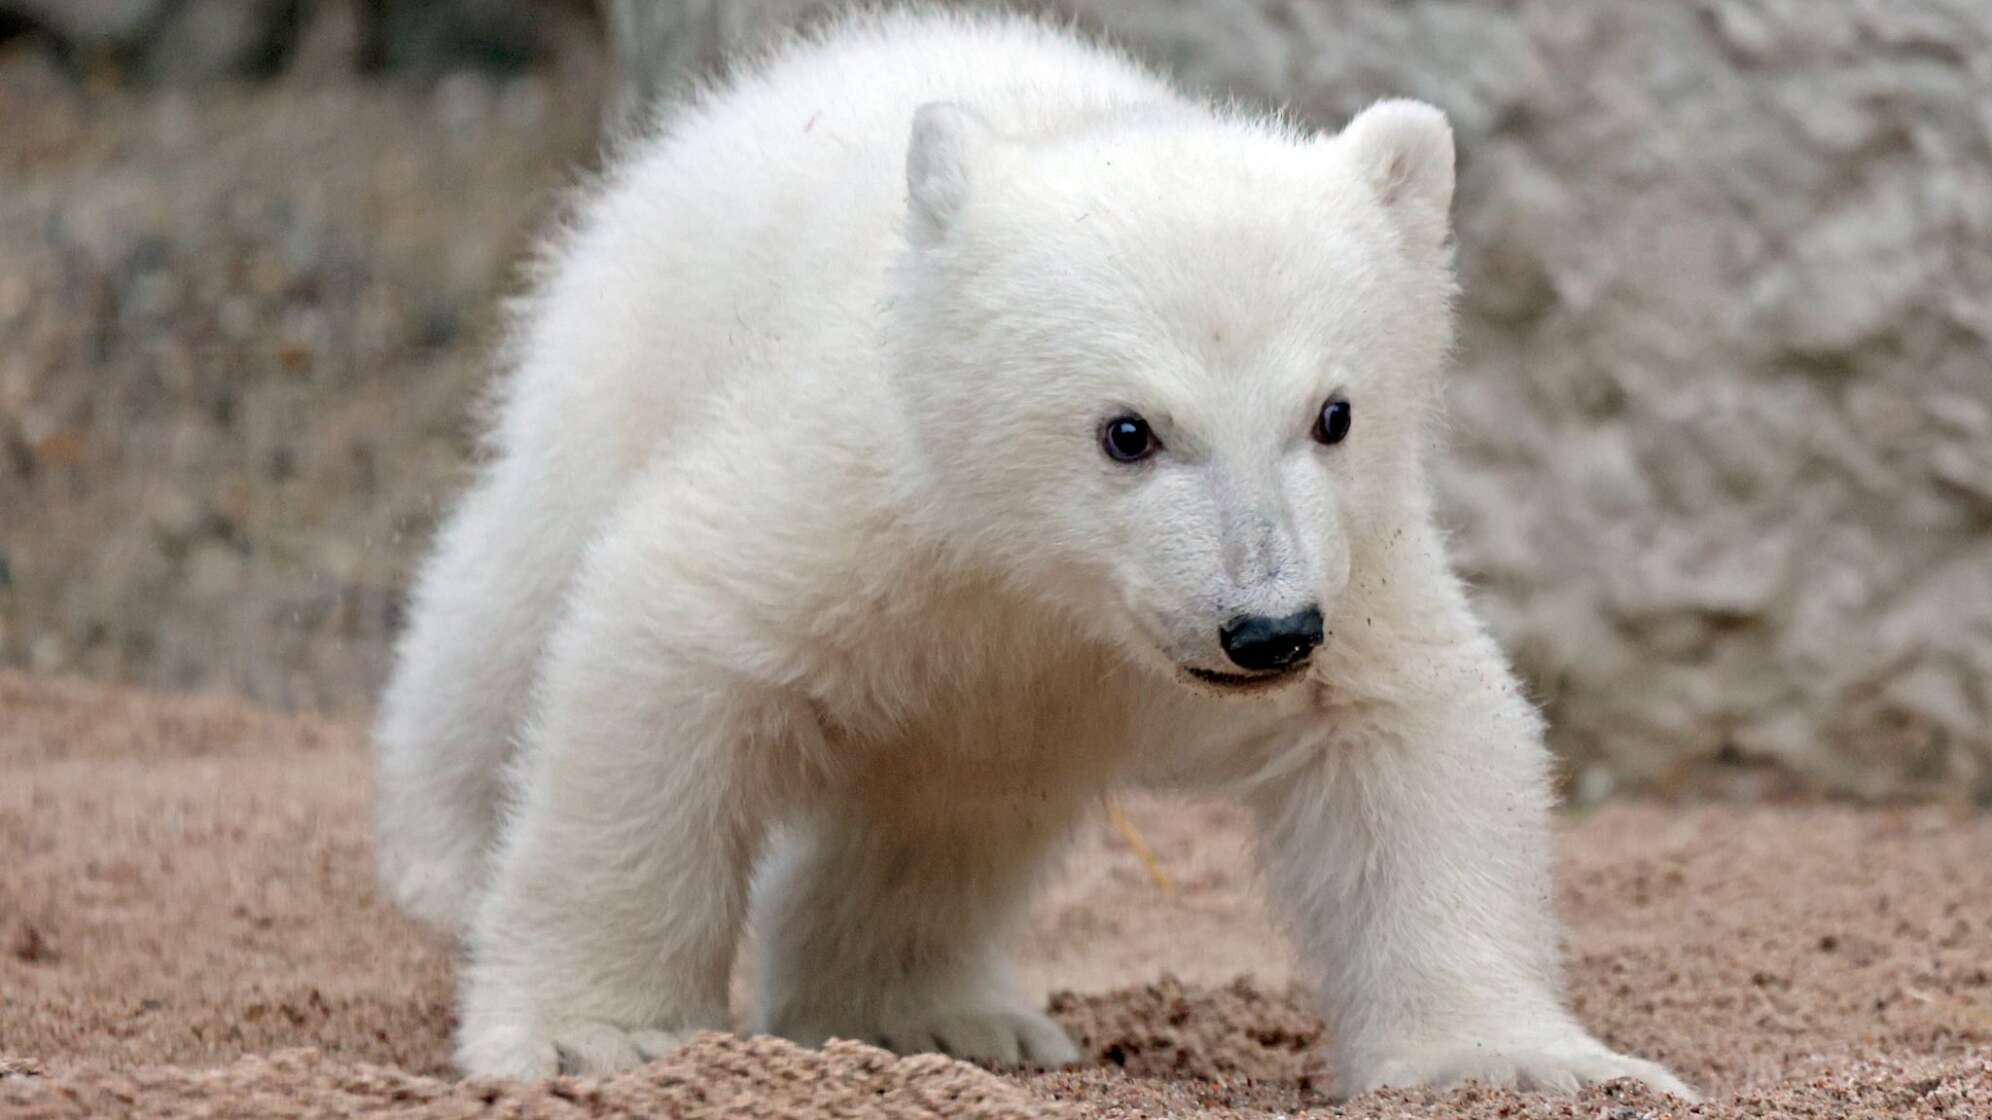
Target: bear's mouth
1240,683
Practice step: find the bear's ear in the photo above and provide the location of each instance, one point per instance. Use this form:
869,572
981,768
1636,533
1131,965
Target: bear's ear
946,137
1405,150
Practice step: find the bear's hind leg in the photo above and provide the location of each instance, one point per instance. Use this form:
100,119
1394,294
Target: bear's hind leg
481,613
890,933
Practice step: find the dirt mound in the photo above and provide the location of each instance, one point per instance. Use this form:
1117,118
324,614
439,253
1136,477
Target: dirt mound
189,925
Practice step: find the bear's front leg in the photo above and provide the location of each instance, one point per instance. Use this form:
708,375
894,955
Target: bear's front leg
1409,838
608,934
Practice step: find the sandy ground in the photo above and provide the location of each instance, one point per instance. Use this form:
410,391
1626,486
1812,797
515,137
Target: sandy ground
188,926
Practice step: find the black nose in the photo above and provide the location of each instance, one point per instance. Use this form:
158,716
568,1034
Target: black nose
1261,644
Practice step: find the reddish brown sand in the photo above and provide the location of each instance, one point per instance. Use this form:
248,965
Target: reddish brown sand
188,926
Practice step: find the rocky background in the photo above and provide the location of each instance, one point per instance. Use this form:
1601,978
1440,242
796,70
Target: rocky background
1722,423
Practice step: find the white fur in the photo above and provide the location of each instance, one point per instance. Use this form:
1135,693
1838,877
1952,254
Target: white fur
799,535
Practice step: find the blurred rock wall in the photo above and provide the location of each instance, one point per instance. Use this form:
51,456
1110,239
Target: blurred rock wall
191,41
242,329
1723,422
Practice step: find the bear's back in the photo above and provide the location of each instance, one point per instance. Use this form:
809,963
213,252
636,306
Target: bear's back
860,80
743,248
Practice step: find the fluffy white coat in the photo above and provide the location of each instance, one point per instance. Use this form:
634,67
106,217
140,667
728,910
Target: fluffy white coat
798,562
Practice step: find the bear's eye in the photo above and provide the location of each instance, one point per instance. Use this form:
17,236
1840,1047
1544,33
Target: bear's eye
1128,439
1332,426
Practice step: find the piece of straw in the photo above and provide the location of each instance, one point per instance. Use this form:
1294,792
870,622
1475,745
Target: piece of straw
1142,852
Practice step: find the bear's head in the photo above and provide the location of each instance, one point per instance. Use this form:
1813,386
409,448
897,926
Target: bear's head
1175,374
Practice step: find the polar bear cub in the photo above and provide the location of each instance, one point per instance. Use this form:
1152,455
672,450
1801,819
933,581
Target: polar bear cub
941,424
